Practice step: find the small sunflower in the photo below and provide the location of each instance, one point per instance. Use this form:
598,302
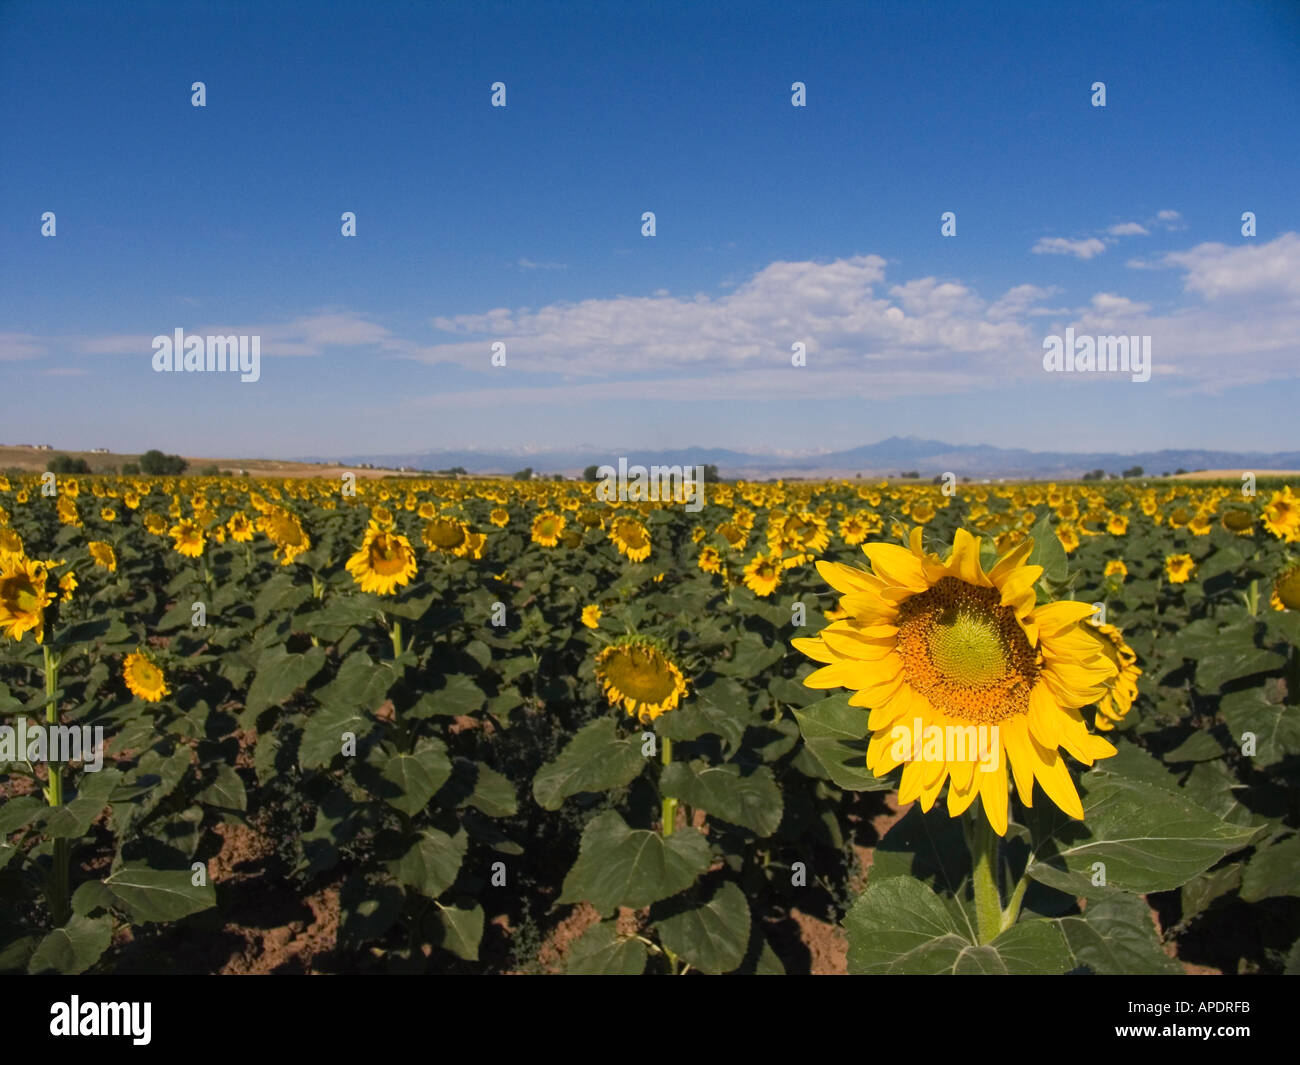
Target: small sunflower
103,555
155,524
710,560
637,673
500,517
1119,700
547,528
67,585
285,531
240,528
144,678
10,542
1179,568
1116,568
591,616
631,538
446,534
763,574
23,597
384,561
1237,520
1117,525
188,538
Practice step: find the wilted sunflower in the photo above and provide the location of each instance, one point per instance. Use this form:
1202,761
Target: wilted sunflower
1179,568
631,538
547,527
1239,521
763,574
23,597
10,542
1123,689
1286,589
67,585
144,678
949,645
637,673
591,615
384,561
285,531
103,555
710,560
188,538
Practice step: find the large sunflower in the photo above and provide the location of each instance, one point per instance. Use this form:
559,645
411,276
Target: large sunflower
632,539
188,537
103,555
547,527
942,643
23,597
638,673
383,562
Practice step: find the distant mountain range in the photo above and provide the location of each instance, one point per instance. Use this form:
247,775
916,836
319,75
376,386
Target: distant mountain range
888,457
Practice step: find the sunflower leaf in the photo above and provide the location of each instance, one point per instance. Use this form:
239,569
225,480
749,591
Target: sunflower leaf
712,936
751,800
836,734
600,951
597,758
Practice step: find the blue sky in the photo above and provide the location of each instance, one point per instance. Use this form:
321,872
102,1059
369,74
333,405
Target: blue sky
775,224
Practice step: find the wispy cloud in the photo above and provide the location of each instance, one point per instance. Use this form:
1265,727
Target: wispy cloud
529,264
1087,248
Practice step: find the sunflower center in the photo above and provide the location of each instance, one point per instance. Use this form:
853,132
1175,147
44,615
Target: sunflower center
21,593
642,674
966,652
387,557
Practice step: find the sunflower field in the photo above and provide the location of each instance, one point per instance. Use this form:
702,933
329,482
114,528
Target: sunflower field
473,725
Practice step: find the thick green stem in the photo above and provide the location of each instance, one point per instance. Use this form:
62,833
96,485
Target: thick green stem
396,633
669,822
669,804
1012,913
58,890
984,873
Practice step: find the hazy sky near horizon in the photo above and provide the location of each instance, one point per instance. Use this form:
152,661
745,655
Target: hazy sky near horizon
775,224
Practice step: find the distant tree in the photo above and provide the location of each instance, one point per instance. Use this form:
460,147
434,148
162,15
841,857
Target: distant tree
1165,474
210,471
591,473
1179,470
156,464
1095,475
937,479
526,474
557,477
913,475
130,469
63,464
1133,471
710,473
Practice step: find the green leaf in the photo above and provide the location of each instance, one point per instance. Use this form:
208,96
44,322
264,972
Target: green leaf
1048,551
898,925
1149,838
597,758
361,682
73,819
227,791
417,777
1200,892
279,675
622,866
600,951
711,936
1200,746
156,895
721,709
1116,935
322,735
369,906
1231,662
459,695
1273,871
752,800
74,948
750,657
476,784
836,734
462,930
432,862
1275,725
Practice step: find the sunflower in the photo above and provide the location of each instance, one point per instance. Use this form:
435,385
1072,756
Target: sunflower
1286,589
1069,537
1239,521
710,560
631,538
1179,568
446,534
1116,568
942,643
763,574
426,510
853,529
1123,690
285,531
108,514
67,585
591,616
384,561
10,543
636,672
547,527
240,528
1200,525
144,678
1282,515
103,555
188,538
736,536
500,517
155,524
23,597
1117,525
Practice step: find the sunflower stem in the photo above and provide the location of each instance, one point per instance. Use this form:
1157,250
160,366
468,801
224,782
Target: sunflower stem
1012,913
58,889
396,632
984,864
669,803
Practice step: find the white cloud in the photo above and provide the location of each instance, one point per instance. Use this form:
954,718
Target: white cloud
1080,249
1128,229
528,264
15,346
